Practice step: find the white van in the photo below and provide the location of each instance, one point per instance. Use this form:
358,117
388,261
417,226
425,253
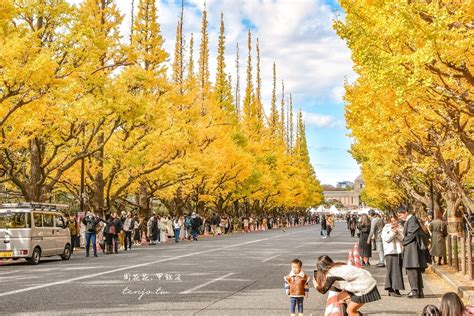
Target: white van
32,231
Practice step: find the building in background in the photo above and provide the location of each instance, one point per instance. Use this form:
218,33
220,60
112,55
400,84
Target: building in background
345,185
349,199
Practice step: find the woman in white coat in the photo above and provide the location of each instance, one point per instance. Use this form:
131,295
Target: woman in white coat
392,237
353,283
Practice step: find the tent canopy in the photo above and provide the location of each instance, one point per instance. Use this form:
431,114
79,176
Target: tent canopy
333,210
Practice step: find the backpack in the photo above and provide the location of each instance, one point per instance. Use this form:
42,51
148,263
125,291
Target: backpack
188,222
90,224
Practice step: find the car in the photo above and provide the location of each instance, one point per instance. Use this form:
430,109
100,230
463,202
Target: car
32,231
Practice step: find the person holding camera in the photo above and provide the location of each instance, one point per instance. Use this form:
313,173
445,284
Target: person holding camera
91,221
392,236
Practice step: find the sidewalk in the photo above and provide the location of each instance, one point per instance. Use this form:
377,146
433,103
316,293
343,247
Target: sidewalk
456,281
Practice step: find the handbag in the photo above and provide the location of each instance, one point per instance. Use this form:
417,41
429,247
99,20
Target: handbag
423,243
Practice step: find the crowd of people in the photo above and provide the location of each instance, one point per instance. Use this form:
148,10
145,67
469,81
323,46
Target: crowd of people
403,242
120,231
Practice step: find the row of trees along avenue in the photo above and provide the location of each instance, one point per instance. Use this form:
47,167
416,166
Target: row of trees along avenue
411,109
145,126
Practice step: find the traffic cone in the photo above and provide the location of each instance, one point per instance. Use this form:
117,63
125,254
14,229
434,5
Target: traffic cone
350,259
357,259
333,307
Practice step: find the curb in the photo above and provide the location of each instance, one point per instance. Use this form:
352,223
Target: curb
466,292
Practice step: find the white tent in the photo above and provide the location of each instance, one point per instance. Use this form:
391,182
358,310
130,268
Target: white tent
312,210
334,211
320,209
364,210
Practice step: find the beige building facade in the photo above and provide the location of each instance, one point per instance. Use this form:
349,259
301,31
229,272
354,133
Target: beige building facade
347,198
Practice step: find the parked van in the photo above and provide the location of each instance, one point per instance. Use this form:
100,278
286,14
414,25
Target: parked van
32,231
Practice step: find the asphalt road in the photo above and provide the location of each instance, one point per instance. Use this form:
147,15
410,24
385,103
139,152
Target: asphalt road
237,274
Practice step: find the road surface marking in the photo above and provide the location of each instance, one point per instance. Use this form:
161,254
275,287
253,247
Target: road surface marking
268,259
206,284
91,276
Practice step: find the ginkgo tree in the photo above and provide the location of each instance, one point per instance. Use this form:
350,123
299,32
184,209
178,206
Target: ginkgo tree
76,96
410,111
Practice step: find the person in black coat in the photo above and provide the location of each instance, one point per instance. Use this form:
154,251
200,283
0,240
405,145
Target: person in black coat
352,225
323,226
414,258
365,249
109,232
196,224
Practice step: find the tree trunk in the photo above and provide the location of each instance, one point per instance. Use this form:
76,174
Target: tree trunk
35,182
99,183
144,199
454,214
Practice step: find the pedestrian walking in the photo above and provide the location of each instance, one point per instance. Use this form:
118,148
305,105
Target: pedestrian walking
72,225
265,223
414,258
246,224
352,225
439,232
110,232
137,235
215,221
121,232
296,286
392,237
324,226
251,223
128,225
365,248
188,223
354,283
169,228
163,227
118,223
152,228
330,225
178,223
195,225
376,227
225,225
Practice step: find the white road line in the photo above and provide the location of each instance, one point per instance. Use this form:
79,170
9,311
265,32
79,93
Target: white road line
268,259
90,276
300,246
206,284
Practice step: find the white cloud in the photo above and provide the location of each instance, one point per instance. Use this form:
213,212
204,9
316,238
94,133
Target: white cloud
321,120
337,94
296,34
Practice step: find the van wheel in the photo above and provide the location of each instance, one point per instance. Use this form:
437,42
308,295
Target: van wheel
35,257
67,253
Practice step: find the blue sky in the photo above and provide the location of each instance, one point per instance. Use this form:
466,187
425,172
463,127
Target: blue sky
295,34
